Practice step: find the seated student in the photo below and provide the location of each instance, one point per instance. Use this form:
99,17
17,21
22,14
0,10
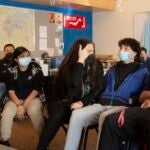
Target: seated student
145,58
24,82
131,124
123,82
5,63
78,82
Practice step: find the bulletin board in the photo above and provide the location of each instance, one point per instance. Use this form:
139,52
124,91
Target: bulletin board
52,40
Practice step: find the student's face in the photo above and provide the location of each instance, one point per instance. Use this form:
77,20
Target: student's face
125,48
8,49
24,60
143,54
90,48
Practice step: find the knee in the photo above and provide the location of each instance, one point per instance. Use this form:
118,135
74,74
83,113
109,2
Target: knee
35,109
8,113
77,116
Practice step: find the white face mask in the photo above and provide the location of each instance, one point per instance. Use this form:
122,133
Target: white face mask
24,62
125,56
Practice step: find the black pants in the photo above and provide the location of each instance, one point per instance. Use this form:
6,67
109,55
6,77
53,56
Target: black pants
137,126
58,114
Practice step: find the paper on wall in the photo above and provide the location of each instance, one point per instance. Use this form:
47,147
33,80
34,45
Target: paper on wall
50,52
43,44
43,32
57,42
60,52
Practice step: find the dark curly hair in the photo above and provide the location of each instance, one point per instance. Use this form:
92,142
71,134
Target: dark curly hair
134,44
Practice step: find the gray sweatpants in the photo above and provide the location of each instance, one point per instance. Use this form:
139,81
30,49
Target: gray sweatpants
83,117
34,110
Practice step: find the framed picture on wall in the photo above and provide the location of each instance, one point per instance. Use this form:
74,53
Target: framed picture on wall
56,18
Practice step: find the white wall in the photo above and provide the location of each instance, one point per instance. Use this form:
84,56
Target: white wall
109,27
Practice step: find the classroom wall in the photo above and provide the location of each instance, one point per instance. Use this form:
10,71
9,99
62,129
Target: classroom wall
69,35
110,26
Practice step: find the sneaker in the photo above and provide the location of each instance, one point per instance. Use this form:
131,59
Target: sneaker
5,143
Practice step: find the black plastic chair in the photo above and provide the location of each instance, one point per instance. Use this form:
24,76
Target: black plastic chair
84,135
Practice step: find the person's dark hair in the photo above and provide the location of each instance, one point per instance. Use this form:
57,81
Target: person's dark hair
19,50
134,44
7,45
72,56
44,55
68,64
144,49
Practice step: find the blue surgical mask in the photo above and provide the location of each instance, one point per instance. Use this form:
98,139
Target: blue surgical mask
24,62
124,56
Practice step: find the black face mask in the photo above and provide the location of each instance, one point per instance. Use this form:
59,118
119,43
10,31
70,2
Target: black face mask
90,59
9,57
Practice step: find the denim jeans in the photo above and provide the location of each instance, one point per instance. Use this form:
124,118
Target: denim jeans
3,91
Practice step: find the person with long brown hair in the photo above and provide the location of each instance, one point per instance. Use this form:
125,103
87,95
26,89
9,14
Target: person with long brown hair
79,81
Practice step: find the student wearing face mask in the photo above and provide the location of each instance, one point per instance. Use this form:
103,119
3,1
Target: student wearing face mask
123,82
79,80
24,82
5,63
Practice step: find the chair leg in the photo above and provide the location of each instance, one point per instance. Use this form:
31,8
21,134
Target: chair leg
83,140
64,128
84,137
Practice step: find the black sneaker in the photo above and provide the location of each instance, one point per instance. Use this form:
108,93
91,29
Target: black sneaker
5,143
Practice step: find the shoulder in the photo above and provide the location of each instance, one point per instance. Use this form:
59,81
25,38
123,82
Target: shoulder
34,65
35,68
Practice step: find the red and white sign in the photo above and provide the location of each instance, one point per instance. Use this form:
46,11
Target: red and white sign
76,22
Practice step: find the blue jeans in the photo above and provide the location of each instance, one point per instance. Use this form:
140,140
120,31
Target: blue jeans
3,91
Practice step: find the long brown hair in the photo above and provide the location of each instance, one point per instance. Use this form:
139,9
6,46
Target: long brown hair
68,64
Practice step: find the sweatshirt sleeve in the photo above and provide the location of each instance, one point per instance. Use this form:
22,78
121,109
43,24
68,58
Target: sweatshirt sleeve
38,81
98,86
74,88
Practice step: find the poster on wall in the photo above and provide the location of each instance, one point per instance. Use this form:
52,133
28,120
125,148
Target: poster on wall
17,26
56,18
76,22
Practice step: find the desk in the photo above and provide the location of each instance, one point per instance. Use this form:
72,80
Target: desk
3,147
